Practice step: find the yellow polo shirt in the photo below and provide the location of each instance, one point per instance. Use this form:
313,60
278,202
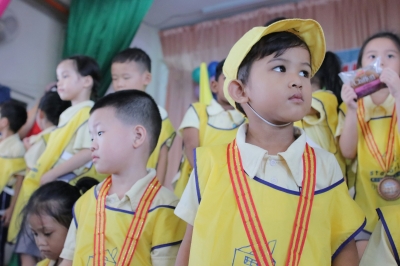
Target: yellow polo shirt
12,147
81,139
160,256
283,170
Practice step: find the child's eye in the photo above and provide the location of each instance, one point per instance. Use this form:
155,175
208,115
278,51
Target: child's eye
304,73
100,133
372,56
34,233
279,69
390,55
47,234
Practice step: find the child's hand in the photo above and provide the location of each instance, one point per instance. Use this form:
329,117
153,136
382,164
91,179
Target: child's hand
47,178
349,97
6,218
392,81
27,144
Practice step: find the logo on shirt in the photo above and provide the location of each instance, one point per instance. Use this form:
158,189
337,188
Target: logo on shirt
111,258
244,256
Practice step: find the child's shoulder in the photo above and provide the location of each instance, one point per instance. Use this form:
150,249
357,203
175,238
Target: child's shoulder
165,198
328,169
12,147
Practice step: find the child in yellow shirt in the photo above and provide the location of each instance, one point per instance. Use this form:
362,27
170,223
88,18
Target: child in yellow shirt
128,219
12,164
131,70
369,132
67,154
48,113
49,214
207,125
268,198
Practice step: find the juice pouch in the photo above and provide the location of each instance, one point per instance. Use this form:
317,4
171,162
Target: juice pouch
364,80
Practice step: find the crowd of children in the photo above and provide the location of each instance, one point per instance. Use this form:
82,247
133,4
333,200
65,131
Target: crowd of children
269,170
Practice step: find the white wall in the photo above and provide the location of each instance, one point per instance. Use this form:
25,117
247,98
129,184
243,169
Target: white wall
28,62
147,39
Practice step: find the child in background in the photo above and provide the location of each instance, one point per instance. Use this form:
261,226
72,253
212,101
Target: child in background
68,149
49,110
49,214
131,70
128,219
321,122
205,125
384,243
369,132
268,198
12,164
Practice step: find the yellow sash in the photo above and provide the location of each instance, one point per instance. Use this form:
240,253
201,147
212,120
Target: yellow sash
161,229
251,221
378,150
57,142
135,228
8,168
208,136
219,237
390,218
167,133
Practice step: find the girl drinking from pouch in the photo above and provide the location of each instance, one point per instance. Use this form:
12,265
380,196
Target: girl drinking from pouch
369,130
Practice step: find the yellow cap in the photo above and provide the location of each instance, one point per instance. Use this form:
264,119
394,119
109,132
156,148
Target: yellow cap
307,29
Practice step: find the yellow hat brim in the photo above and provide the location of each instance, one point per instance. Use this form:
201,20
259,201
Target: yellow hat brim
310,31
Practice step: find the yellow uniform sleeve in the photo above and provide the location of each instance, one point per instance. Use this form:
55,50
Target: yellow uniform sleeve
70,243
378,251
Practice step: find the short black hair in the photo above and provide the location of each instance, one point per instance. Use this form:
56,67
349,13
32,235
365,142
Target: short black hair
87,66
134,107
328,75
272,21
276,42
15,113
384,34
52,106
136,55
218,69
56,199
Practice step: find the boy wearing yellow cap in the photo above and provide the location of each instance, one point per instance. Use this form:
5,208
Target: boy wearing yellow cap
268,198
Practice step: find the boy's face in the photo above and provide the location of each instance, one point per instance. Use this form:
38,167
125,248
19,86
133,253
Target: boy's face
110,141
279,88
129,76
217,87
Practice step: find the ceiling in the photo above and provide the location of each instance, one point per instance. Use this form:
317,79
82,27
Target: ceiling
165,14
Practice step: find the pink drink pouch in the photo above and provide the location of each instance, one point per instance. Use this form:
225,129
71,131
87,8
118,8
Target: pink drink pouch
364,81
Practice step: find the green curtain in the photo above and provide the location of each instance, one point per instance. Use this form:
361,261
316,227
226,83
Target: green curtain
102,28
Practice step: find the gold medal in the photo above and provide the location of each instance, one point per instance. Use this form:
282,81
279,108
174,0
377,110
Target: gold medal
389,188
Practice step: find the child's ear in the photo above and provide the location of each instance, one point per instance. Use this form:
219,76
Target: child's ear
88,82
237,91
147,78
4,122
214,86
139,136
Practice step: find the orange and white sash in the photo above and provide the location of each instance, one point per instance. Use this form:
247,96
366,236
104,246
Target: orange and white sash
384,161
248,212
135,228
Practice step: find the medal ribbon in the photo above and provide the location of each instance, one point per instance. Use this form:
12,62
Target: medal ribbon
135,229
249,215
386,162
